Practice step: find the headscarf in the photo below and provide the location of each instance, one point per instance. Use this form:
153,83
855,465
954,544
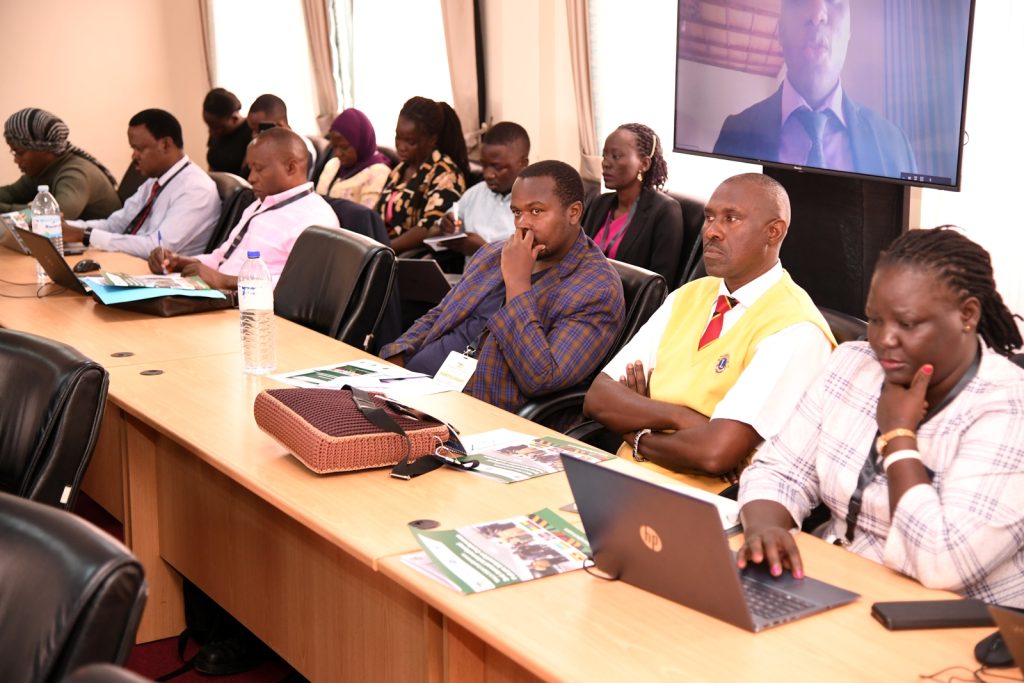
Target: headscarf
41,131
353,125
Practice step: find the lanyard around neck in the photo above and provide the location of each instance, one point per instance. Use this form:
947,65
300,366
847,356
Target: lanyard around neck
245,228
870,468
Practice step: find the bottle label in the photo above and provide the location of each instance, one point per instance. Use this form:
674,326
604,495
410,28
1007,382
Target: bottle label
48,226
255,296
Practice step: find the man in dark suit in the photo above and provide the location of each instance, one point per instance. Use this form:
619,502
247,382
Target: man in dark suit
809,120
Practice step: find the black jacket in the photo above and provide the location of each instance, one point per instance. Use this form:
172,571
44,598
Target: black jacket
653,239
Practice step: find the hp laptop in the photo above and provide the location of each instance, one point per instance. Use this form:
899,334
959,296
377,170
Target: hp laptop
422,280
51,261
1011,625
673,545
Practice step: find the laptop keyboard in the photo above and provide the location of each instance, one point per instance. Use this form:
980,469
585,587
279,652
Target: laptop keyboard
769,603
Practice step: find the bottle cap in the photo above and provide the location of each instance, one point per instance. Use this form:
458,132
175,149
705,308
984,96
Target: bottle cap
253,254
43,188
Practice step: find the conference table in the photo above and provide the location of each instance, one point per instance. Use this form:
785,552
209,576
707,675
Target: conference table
311,563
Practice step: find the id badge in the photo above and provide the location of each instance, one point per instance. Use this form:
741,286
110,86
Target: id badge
456,371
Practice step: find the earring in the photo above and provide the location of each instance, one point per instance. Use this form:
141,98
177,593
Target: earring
640,176
967,328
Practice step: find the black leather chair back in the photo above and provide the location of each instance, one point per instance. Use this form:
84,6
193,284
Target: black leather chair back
131,181
358,218
235,195
70,594
53,399
337,283
323,152
693,224
643,291
844,327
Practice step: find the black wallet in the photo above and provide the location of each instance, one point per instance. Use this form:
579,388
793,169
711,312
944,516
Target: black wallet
914,614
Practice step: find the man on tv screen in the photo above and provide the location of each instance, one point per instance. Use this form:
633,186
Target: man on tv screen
810,120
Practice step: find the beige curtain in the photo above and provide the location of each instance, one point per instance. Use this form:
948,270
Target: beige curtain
579,51
318,31
209,53
460,40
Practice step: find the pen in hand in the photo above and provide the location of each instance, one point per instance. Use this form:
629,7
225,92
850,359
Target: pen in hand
160,246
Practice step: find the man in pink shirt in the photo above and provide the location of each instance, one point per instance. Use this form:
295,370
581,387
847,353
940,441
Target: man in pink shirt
286,205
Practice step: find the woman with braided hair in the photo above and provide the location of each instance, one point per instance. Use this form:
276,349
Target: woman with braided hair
914,440
430,176
83,187
636,223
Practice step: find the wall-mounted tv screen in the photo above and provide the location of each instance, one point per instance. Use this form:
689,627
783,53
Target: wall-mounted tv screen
867,87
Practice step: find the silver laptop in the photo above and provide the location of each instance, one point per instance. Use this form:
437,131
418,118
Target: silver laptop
1011,625
673,545
52,262
422,280
9,237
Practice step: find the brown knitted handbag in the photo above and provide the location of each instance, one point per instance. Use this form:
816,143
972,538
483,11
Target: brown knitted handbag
328,430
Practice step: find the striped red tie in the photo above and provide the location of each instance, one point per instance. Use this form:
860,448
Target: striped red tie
714,329
144,214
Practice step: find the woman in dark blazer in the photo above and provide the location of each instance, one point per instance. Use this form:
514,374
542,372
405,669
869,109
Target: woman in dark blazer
637,223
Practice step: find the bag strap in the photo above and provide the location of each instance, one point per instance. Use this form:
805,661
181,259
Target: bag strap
406,468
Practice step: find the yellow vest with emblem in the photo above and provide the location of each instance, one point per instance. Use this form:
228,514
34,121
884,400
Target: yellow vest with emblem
700,378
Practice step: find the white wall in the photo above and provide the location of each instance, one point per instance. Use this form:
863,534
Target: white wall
104,61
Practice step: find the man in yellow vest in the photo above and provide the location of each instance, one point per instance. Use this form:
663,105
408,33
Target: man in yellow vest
721,365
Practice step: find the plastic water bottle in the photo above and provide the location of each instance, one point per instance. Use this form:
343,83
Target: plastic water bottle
46,221
256,305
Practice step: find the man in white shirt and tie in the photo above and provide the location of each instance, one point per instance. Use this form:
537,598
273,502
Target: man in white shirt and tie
286,205
177,207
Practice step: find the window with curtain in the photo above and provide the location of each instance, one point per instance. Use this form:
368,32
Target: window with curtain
261,47
632,71
389,51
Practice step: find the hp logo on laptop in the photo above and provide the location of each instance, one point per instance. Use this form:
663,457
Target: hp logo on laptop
650,538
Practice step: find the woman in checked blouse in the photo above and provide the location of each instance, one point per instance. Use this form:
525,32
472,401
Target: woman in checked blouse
914,440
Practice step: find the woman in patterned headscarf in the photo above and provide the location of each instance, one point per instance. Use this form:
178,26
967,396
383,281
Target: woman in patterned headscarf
83,187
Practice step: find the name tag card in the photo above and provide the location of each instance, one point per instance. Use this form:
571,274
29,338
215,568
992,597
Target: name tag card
456,371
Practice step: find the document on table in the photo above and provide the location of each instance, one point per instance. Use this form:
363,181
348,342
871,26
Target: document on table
483,556
169,281
508,456
366,374
109,294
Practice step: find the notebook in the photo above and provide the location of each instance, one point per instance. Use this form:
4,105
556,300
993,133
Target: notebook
51,261
422,280
1011,625
673,545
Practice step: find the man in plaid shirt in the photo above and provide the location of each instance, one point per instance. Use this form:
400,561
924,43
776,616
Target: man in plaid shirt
541,309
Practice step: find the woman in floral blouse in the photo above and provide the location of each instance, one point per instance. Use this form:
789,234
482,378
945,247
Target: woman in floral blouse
430,176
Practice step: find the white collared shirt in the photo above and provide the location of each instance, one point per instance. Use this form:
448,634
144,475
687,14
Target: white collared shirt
272,232
184,212
795,143
487,213
782,368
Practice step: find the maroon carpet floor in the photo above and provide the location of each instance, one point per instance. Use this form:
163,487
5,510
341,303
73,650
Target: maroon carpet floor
161,656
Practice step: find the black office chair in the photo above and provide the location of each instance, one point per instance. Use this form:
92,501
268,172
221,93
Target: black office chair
644,291
235,195
324,151
104,673
71,594
693,224
131,181
53,399
336,282
358,218
844,326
